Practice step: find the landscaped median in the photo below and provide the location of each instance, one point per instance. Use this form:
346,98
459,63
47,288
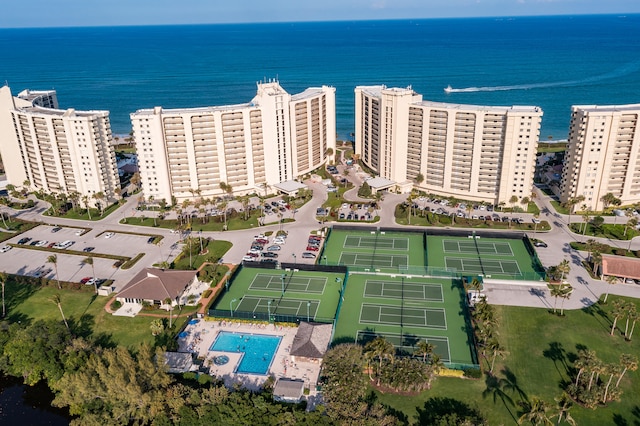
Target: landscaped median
123,262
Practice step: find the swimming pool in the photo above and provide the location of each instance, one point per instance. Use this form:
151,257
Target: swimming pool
258,350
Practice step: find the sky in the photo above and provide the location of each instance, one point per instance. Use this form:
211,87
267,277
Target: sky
80,13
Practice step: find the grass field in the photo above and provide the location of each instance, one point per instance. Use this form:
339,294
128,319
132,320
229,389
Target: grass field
541,348
406,310
82,308
313,292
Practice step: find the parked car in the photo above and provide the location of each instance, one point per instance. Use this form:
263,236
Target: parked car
41,243
273,248
313,248
262,241
269,254
24,240
88,249
80,232
268,260
308,255
540,244
56,229
5,249
109,234
248,259
85,280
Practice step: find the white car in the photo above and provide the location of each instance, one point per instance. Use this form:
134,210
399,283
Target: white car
255,251
41,243
279,241
5,249
248,259
109,234
346,205
80,232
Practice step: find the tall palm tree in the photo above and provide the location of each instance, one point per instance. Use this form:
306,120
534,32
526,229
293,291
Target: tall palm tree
3,281
617,311
556,291
535,412
567,290
611,280
564,267
634,316
89,261
85,200
58,302
382,349
628,362
167,301
497,350
424,349
563,405
54,259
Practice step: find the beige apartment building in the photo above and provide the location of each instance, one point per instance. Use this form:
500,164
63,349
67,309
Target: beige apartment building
277,137
57,151
477,153
603,155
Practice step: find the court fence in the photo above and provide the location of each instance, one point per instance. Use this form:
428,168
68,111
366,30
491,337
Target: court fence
264,316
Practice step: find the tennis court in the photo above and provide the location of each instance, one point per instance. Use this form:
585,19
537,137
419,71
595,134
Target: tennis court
268,305
374,260
288,282
407,342
474,245
253,293
376,241
482,265
411,290
396,315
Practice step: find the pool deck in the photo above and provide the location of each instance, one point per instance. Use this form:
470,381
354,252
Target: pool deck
201,336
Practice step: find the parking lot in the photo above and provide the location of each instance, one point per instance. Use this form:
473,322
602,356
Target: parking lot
24,260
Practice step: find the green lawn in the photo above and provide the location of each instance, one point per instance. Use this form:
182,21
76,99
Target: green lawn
213,253
234,222
541,348
83,310
607,230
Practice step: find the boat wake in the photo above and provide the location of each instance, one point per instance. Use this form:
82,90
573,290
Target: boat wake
620,72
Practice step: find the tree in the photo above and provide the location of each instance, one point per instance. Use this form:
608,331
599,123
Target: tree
89,261
586,217
100,197
628,362
564,267
617,311
634,316
535,412
55,299
364,191
597,223
630,310
611,280
567,290
571,203
556,291
85,200
345,385
169,302
135,180
382,349
525,202
631,223
424,349
608,199
419,178
497,350
157,327
54,260
3,281
563,406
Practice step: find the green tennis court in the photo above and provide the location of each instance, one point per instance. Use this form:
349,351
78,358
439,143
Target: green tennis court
474,245
292,307
374,260
408,342
414,317
376,241
482,266
289,283
410,290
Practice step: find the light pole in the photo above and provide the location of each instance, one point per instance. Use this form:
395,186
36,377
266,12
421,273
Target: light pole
226,281
231,306
294,259
339,280
325,260
282,281
308,306
269,309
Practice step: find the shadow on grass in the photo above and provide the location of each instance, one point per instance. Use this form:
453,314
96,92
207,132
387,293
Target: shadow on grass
557,354
495,389
438,409
600,315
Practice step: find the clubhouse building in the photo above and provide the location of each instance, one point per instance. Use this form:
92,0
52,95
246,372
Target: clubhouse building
477,153
274,138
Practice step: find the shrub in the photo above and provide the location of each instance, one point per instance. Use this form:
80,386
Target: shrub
206,293
472,373
115,305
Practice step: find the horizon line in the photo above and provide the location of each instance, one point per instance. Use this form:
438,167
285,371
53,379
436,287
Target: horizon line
613,14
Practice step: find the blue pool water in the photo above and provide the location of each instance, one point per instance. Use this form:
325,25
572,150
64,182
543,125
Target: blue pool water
258,350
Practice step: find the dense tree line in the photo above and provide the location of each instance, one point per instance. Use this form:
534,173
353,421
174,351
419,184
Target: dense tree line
118,386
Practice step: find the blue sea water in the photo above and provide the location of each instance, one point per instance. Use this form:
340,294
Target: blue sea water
551,62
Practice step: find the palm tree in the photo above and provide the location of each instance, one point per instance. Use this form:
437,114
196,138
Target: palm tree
564,268
596,260
628,362
535,412
612,280
556,291
85,200
567,290
54,259
424,349
497,350
586,217
631,312
89,261
563,405
157,327
3,281
57,301
100,197
167,301
381,349
585,359
617,311
634,316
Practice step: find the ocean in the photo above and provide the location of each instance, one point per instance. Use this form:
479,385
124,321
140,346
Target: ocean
551,62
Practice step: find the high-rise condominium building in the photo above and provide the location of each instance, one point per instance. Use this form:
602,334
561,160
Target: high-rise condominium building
603,155
477,153
249,147
57,151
